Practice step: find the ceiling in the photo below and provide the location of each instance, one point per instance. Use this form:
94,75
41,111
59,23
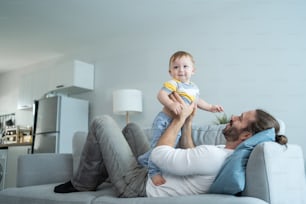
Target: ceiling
32,31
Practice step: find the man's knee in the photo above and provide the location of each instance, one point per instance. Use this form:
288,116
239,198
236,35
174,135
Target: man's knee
132,126
101,120
132,130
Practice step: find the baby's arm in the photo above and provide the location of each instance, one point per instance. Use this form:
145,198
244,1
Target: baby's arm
209,107
164,99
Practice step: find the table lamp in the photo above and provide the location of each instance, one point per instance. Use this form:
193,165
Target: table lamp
127,101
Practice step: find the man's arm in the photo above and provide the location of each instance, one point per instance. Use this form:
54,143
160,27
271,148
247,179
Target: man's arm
170,135
186,140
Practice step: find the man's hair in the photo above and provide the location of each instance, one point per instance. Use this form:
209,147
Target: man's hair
266,121
180,54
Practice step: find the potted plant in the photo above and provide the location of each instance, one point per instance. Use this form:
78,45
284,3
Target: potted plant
223,119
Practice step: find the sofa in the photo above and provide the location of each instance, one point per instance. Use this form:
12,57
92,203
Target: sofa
274,174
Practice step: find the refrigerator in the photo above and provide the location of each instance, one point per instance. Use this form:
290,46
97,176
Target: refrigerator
56,119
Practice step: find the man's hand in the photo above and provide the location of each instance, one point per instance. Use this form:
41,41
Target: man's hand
175,107
186,110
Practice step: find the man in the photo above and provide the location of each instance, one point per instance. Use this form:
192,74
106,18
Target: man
110,153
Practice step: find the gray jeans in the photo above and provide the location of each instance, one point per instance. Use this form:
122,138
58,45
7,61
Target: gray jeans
110,153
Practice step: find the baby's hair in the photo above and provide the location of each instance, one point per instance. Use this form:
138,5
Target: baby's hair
180,54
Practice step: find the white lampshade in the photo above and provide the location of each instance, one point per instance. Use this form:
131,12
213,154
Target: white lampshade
127,101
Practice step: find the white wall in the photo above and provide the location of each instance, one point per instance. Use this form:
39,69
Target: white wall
249,54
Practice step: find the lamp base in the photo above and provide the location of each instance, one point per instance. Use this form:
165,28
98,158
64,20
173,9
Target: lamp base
127,117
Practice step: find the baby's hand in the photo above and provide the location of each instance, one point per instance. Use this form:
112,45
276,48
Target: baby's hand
158,180
176,108
216,108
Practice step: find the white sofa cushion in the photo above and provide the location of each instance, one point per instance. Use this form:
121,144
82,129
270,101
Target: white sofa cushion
269,166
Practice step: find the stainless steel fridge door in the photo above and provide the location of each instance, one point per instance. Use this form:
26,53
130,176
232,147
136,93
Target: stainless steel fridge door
48,115
3,158
45,143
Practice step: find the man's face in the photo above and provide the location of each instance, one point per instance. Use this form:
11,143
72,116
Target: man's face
238,125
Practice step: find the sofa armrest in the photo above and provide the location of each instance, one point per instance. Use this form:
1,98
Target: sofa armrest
45,168
275,173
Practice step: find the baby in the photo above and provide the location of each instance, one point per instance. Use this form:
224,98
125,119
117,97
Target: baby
181,68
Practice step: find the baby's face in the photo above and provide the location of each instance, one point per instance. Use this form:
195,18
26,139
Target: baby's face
182,69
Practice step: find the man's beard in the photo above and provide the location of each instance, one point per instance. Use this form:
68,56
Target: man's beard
231,133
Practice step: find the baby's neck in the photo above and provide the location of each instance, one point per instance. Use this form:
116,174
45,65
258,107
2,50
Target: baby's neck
184,82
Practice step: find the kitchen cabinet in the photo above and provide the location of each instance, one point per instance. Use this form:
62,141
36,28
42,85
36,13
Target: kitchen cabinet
33,86
25,99
72,77
69,77
11,165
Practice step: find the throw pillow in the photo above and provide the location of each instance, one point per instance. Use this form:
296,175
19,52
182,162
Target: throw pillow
231,177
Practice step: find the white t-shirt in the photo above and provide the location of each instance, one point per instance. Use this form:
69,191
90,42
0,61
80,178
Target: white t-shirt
186,171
